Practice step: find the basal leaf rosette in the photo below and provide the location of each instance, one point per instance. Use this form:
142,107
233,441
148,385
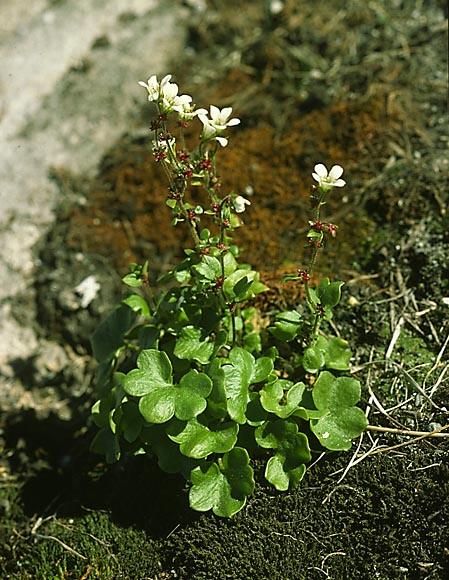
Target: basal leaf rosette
160,400
223,486
287,467
340,421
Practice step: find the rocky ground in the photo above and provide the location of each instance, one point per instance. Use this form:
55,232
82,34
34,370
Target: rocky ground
356,83
68,70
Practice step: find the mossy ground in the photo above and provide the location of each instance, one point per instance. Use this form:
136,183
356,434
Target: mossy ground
356,83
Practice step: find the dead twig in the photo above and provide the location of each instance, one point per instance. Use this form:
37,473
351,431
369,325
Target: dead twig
419,434
39,522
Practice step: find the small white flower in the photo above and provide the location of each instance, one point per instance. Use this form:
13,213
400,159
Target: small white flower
165,94
326,179
154,87
213,128
163,144
185,109
239,202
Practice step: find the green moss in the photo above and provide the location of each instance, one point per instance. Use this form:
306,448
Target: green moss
94,543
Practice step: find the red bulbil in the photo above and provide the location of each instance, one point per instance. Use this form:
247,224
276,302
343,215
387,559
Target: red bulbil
205,164
160,155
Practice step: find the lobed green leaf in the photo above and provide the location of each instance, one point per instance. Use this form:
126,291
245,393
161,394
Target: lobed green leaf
198,441
341,421
283,398
154,370
222,488
287,467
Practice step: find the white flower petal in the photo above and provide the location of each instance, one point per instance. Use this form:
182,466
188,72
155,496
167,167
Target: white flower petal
225,114
214,112
239,203
165,80
320,170
335,173
222,140
208,131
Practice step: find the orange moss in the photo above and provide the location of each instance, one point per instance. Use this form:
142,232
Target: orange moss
126,218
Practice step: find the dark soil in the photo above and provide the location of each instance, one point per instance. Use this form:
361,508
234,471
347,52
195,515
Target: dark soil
355,83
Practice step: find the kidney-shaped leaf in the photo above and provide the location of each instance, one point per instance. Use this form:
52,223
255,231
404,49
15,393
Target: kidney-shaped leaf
243,371
154,370
222,488
329,293
341,420
198,441
237,380
186,400
287,467
282,398
190,346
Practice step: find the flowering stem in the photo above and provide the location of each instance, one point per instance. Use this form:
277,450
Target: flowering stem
315,247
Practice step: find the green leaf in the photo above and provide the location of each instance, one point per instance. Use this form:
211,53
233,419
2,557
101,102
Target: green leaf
185,401
287,467
287,326
189,345
252,342
329,293
209,268
342,421
250,280
243,371
134,279
148,336
198,441
171,203
241,288
337,354
170,459
255,413
262,369
283,398
229,263
138,304
131,422
191,395
106,443
237,380
216,401
222,488
282,476
108,337
313,359
154,370
158,405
